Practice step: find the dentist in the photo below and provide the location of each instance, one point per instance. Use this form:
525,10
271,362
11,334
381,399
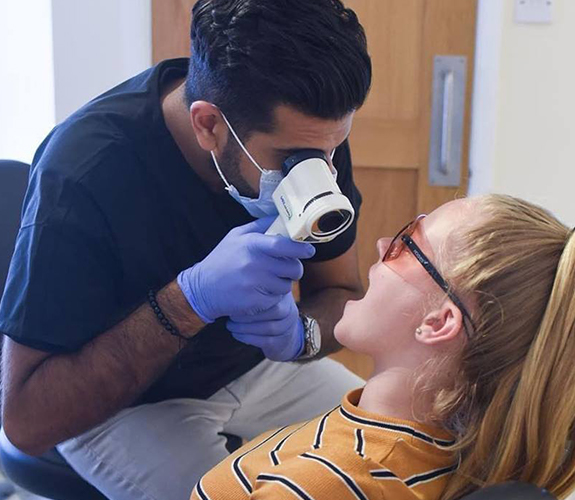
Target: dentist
146,314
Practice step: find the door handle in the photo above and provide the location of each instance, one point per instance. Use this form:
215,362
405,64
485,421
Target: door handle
446,123
447,120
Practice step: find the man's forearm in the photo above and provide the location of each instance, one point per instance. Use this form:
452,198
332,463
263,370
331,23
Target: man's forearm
67,394
326,307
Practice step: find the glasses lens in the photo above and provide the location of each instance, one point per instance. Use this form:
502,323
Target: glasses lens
394,249
397,245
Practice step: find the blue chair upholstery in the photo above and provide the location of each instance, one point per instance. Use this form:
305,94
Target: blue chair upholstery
48,475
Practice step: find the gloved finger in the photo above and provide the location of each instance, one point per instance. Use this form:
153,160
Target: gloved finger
281,310
280,246
283,348
257,226
260,330
283,268
264,342
275,286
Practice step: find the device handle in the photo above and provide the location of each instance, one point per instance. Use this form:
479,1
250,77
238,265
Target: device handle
278,228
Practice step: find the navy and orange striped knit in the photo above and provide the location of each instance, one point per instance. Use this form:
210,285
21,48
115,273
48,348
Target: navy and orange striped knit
345,454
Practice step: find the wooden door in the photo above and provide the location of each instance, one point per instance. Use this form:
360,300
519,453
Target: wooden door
390,138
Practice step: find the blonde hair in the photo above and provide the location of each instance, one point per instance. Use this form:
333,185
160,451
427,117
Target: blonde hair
512,404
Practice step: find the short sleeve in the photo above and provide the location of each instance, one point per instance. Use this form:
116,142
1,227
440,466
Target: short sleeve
60,290
343,164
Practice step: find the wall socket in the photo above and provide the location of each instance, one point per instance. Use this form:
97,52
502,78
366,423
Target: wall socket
534,11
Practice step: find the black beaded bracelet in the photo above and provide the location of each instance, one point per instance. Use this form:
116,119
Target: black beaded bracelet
164,321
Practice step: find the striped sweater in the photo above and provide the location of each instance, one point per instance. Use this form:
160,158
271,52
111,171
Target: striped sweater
345,454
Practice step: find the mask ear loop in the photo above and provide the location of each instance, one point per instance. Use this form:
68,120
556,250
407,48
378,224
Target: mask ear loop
241,144
332,168
216,163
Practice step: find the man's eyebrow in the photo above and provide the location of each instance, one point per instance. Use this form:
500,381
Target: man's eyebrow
292,151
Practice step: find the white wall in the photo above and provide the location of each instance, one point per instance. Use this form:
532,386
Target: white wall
55,55
531,119
485,95
97,44
27,108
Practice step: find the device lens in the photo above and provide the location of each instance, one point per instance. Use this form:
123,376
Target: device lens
332,221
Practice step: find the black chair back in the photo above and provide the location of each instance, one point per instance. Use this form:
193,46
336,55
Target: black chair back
511,491
49,475
13,182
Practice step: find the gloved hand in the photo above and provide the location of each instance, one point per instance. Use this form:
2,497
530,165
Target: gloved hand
278,332
246,274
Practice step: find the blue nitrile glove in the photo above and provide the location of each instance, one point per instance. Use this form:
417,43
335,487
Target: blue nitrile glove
246,274
278,332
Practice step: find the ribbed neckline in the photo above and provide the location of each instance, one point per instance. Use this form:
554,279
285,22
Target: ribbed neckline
351,400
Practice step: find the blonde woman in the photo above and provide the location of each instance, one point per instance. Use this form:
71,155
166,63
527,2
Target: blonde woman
469,317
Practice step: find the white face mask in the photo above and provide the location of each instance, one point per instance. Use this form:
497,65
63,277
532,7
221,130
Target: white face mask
263,205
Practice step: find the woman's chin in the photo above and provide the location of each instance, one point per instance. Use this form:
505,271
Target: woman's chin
349,304
350,320
338,332
342,331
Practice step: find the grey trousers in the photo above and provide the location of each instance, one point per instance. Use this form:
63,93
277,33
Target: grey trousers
159,451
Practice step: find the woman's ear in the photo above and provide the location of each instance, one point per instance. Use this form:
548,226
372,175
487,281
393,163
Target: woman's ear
209,127
441,325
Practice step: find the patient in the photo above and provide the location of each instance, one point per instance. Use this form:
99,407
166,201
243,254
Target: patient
469,317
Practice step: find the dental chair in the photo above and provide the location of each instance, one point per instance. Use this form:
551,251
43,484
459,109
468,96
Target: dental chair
50,475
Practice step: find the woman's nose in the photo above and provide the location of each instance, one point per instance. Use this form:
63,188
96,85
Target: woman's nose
382,246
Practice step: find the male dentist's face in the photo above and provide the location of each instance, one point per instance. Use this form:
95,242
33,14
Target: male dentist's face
293,131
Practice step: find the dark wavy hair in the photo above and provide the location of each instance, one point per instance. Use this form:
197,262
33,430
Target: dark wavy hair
249,56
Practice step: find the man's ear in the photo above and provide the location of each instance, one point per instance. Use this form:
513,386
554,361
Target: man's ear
210,129
441,325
